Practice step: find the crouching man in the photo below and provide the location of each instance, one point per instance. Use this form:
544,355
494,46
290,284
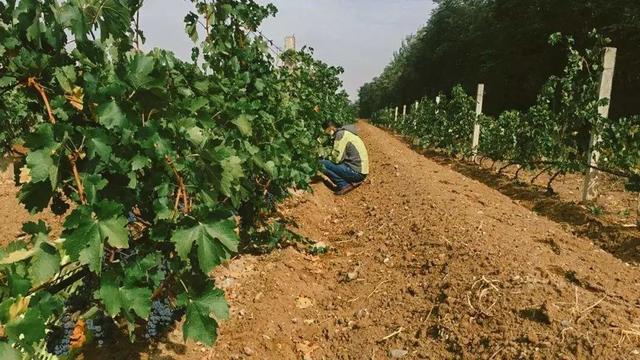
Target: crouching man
349,163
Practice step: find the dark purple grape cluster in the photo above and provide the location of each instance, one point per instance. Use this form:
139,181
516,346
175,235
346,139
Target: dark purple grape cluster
78,301
271,199
124,255
164,269
59,338
95,327
161,317
101,327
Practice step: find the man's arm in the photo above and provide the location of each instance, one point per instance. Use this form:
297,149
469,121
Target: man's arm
339,148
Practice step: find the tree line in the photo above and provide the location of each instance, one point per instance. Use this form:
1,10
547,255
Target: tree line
504,44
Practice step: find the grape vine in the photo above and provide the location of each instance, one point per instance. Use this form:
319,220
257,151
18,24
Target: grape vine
159,166
552,135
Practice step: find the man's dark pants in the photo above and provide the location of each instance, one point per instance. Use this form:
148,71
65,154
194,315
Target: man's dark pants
341,174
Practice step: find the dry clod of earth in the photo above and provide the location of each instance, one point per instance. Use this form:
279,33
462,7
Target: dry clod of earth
398,353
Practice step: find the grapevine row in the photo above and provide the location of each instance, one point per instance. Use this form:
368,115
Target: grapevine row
161,168
553,134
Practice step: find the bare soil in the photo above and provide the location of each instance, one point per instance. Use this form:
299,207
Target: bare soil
12,213
610,221
426,263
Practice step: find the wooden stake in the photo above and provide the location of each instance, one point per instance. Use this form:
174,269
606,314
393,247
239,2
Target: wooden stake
590,187
476,126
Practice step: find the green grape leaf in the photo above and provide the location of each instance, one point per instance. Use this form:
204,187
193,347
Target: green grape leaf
215,241
198,104
259,85
6,80
66,77
99,144
109,293
110,115
41,138
116,297
116,232
137,299
42,167
213,302
231,171
30,326
196,136
114,20
93,184
140,70
243,122
8,353
139,162
45,263
85,242
18,284
199,326
34,228
72,17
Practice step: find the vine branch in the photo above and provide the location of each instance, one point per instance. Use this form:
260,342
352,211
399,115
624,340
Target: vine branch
182,193
73,159
33,83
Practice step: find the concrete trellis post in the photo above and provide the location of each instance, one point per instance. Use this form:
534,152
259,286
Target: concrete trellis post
404,113
395,120
290,42
476,126
590,187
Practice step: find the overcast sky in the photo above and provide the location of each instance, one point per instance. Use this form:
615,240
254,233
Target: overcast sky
359,35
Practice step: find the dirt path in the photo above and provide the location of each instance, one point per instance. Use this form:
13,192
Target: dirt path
430,264
427,264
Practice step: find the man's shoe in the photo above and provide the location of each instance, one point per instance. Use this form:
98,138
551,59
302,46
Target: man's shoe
345,190
330,185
